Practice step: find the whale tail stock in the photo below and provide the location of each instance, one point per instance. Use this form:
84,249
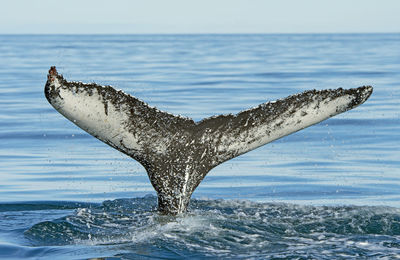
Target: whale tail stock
177,152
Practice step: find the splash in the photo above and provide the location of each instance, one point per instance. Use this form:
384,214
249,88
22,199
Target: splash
224,228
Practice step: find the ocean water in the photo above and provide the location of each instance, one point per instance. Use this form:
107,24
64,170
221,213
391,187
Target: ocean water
331,191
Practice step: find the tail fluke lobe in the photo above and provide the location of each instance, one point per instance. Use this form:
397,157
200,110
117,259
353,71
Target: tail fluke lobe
234,135
116,118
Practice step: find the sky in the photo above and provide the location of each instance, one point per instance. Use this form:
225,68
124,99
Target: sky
198,16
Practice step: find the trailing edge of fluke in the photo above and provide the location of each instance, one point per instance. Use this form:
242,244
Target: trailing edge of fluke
177,152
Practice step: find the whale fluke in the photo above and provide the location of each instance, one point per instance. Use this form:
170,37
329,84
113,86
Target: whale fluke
177,152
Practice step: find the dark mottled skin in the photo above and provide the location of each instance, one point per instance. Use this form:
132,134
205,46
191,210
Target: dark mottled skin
194,148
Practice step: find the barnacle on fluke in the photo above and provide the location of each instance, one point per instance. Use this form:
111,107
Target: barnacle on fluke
177,152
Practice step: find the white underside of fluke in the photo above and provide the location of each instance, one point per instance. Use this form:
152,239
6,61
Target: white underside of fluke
88,112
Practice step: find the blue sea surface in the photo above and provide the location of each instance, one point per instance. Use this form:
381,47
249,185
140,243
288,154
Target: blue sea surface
331,191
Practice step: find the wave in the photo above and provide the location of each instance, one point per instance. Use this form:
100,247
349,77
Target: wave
227,228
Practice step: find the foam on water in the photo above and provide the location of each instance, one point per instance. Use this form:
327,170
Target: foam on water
227,228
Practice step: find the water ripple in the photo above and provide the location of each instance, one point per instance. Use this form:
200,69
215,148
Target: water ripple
227,228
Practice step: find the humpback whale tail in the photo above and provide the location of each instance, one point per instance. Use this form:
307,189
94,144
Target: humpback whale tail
177,152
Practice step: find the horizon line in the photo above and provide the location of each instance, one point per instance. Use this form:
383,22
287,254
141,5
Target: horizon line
205,33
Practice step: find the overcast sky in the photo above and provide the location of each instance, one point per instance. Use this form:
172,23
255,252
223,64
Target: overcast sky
199,16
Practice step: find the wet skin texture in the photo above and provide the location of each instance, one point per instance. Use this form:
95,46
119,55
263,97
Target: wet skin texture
177,152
